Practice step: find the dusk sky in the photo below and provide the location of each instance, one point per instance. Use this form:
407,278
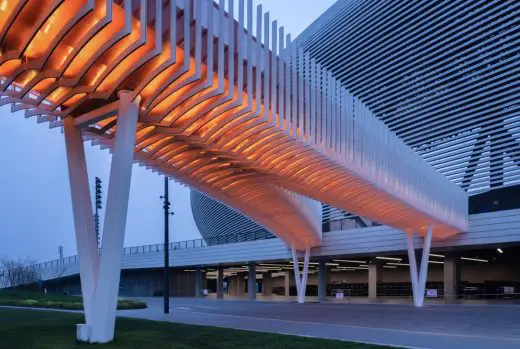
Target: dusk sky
35,204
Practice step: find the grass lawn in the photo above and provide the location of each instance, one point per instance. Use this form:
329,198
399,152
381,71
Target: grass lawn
22,328
56,301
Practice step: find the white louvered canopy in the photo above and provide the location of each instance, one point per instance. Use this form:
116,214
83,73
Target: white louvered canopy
231,109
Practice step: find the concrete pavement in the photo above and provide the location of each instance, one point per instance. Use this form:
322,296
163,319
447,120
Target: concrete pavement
434,326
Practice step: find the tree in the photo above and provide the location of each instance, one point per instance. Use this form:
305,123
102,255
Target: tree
14,273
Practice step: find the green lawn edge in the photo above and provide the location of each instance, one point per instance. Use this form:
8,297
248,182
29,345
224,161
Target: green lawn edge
26,328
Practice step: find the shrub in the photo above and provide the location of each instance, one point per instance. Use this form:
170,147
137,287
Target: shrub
26,299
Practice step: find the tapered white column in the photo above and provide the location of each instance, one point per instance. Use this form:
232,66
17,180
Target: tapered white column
297,279
86,241
424,265
413,266
419,279
303,286
105,296
301,281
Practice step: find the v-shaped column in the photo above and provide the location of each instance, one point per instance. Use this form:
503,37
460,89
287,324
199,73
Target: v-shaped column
86,241
100,275
301,281
419,279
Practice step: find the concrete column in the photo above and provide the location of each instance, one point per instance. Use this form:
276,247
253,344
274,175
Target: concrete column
267,286
237,284
251,282
373,270
451,277
204,280
287,283
240,283
86,243
322,281
220,282
198,280
107,287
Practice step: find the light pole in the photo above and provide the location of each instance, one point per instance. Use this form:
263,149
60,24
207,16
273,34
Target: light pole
97,207
167,213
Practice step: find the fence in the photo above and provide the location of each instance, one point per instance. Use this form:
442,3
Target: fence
173,246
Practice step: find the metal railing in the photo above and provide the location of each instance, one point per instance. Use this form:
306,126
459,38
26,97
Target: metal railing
173,246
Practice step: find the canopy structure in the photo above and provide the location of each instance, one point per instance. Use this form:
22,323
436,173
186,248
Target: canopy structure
182,88
284,125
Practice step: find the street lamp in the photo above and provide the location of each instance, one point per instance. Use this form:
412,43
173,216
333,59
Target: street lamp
167,213
97,207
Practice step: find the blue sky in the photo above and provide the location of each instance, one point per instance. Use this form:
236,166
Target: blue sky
35,205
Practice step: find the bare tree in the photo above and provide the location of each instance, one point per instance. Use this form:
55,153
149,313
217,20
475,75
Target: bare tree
19,272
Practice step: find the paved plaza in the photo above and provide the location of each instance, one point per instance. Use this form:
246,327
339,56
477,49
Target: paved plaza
434,326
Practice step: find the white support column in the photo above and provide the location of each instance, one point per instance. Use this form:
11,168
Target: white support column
303,287
296,267
419,279
413,265
107,288
86,241
424,265
301,282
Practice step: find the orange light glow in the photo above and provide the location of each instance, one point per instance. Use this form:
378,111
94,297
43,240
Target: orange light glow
52,27
42,85
196,130
72,100
9,66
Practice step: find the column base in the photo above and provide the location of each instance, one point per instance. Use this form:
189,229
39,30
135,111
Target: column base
82,333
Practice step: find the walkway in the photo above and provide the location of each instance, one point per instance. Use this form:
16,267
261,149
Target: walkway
435,326
403,300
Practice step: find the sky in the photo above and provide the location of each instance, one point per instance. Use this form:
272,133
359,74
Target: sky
35,204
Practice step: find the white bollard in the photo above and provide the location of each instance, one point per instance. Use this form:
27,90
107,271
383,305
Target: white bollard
82,333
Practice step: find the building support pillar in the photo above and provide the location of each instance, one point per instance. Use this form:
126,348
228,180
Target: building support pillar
204,280
301,282
240,284
373,278
220,282
267,288
451,277
322,281
419,279
287,284
198,281
251,282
